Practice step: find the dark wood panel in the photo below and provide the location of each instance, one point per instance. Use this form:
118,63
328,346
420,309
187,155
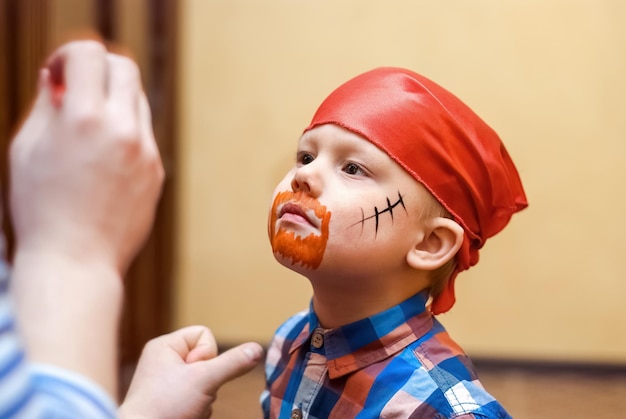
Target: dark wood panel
23,47
149,309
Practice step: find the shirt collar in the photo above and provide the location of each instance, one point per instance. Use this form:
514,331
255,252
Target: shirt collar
362,343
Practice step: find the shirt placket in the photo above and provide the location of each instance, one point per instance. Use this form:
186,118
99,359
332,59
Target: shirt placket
315,370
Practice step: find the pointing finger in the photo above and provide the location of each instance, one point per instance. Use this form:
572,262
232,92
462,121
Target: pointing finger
232,364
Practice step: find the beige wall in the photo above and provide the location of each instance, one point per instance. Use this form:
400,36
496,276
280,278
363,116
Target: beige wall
548,75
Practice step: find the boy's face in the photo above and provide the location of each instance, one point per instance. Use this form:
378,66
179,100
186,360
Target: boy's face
345,208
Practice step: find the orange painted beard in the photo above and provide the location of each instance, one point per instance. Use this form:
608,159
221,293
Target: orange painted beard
307,251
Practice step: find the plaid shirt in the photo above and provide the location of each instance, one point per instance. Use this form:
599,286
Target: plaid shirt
400,363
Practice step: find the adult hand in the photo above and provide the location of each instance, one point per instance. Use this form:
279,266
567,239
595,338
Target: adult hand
85,179
178,374
85,170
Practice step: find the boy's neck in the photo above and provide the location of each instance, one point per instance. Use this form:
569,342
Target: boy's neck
335,308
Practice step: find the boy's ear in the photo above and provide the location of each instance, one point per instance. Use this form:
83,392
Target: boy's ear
441,241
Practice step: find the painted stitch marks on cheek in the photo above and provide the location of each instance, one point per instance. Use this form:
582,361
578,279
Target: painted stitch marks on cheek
306,250
377,213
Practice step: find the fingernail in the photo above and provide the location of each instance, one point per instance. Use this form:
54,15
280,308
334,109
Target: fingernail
254,352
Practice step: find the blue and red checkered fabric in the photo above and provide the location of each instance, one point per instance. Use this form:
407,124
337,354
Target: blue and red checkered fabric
400,363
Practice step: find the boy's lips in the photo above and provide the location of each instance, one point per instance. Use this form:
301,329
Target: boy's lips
295,212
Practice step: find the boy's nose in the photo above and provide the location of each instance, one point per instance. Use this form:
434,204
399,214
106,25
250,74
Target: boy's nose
304,180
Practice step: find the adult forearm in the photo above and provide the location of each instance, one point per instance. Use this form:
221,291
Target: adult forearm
68,313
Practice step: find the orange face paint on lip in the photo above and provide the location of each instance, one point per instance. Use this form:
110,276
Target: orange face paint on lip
307,251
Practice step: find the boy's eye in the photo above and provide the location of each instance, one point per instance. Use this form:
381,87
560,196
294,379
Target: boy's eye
353,169
305,158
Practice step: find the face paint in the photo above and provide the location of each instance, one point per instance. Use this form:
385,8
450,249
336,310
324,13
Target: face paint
377,213
307,251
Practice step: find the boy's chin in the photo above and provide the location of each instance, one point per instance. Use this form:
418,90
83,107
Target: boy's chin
293,263
293,251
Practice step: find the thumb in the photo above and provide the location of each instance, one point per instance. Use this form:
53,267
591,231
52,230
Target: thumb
233,363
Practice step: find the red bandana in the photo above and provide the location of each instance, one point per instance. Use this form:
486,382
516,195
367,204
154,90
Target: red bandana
442,143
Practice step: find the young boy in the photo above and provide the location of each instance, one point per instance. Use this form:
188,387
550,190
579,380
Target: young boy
396,187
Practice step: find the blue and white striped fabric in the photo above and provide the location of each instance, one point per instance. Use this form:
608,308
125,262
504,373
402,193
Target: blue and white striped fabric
33,391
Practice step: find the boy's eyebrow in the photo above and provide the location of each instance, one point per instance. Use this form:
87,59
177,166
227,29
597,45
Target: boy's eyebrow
377,213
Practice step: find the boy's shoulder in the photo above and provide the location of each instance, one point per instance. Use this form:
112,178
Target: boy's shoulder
445,379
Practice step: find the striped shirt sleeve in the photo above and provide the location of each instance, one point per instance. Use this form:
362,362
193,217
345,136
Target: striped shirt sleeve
35,391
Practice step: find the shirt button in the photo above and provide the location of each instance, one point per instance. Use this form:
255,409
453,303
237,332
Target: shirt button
318,339
296,414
